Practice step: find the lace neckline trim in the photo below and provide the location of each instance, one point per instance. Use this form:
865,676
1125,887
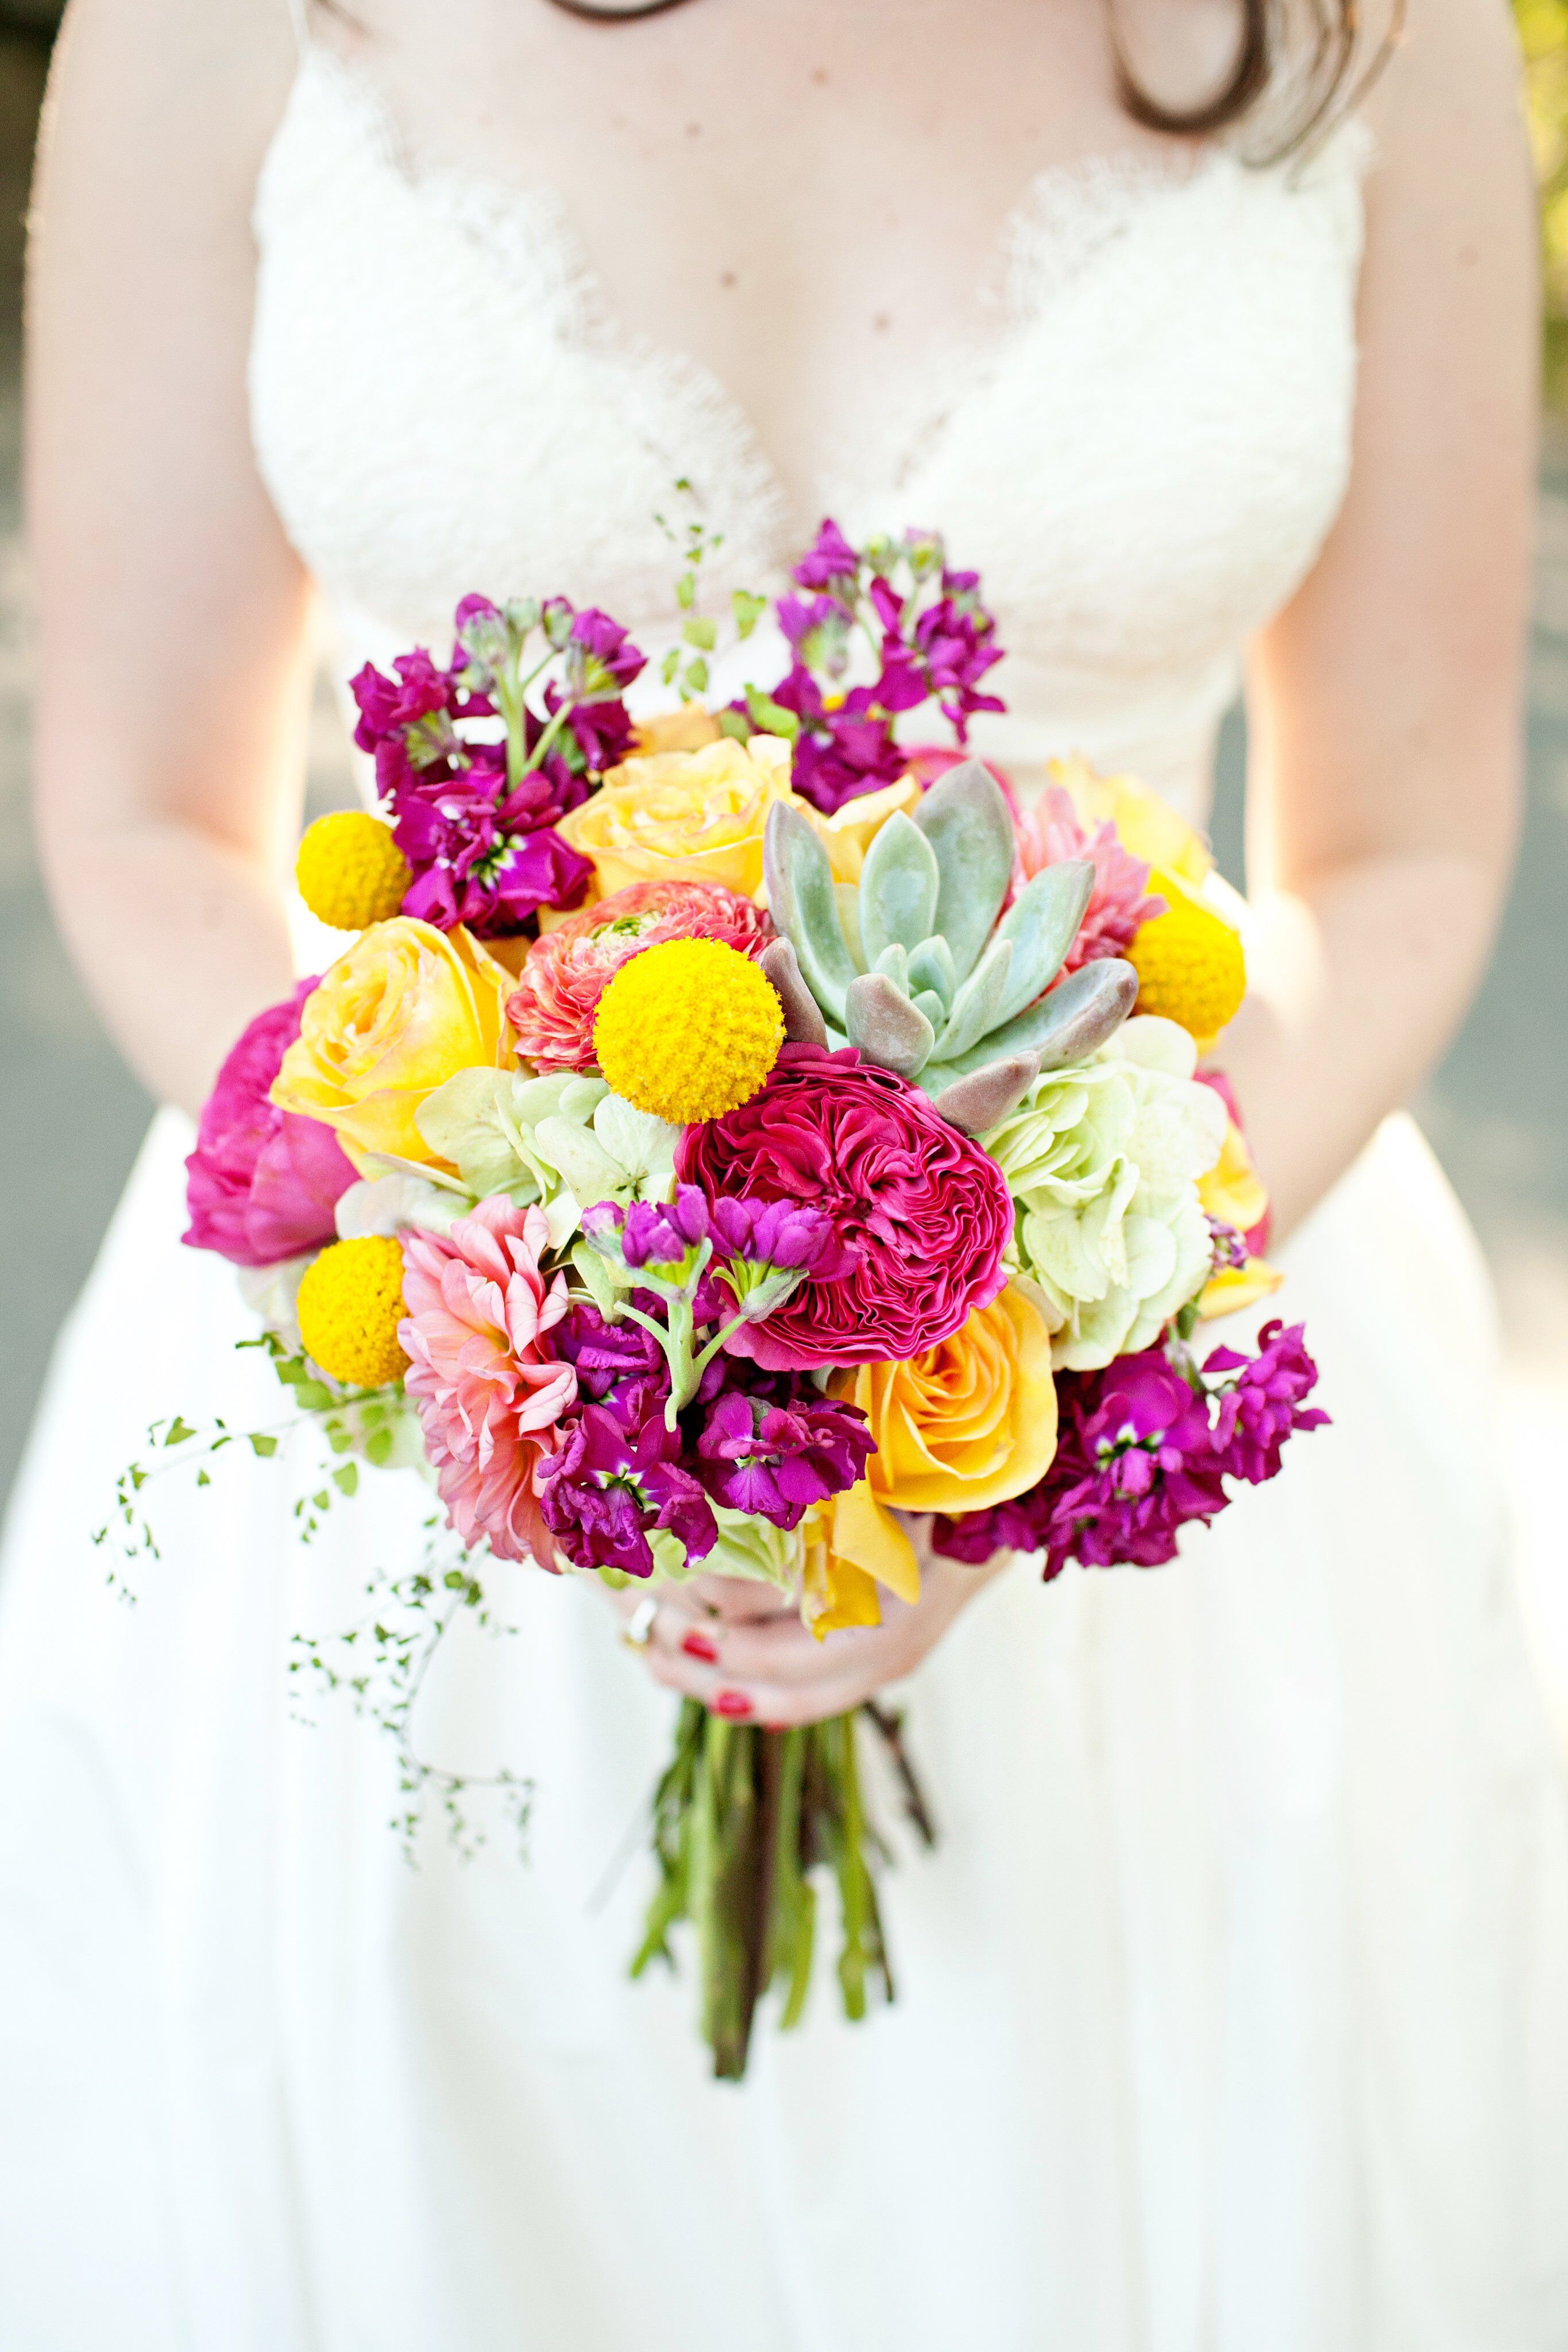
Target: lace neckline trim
1067,213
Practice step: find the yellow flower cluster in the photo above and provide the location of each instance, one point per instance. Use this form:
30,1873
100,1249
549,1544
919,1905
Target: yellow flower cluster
1189,963
688,1030
351,1304
350,870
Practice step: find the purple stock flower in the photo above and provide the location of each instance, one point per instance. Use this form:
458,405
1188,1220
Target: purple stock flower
774,1448
619,1365
779,1233
829,562
483,855
665,1235
1262,1406
1141,1451
609,1486
484,851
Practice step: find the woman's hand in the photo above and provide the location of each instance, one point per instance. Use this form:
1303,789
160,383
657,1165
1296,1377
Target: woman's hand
741,1648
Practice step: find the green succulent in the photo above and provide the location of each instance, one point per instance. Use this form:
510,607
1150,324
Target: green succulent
912,965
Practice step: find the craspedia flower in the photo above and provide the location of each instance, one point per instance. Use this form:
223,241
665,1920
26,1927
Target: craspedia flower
689,1031
351,872
568,970
1189,963
350,1305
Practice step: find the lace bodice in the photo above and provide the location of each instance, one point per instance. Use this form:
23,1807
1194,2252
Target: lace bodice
1141,459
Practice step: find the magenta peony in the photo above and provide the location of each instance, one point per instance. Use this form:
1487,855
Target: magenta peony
926,1211
262,1183
1120,898
489,1388
566,973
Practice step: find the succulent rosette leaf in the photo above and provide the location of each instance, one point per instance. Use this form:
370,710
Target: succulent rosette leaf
918,966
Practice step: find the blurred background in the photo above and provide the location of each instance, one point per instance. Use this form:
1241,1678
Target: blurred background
1497,1112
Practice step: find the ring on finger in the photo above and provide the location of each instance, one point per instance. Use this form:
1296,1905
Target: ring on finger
639,1624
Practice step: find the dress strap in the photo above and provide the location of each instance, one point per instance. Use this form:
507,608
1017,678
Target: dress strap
299,17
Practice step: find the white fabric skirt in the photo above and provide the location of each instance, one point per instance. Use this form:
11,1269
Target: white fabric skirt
1233,2008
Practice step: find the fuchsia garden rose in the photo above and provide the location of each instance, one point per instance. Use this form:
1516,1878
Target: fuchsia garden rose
927,1211
568,970
262,1183
488,1387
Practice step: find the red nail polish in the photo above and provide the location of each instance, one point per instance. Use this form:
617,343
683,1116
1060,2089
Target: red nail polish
733,1704
698,1645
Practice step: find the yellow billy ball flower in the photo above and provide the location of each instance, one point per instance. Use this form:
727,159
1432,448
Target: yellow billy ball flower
350,870
350,1305
1189,963
688,1030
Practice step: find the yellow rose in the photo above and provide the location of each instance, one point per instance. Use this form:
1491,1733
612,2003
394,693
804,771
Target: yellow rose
1232,1192
690,815
1236,1287
685,730
969,1423
391,1020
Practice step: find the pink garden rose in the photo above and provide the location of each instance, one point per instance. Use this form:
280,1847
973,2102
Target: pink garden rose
262,1183
489,1390
1120,901
568,970
926,1211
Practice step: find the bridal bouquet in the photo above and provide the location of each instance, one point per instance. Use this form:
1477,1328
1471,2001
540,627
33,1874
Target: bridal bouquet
722,1141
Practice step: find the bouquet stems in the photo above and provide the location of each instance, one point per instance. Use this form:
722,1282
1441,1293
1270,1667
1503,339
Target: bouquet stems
742,1818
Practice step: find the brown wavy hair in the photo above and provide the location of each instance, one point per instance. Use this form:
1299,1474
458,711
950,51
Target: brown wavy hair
1321,88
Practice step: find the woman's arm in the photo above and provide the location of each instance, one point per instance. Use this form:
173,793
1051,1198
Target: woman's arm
1385,701
172,611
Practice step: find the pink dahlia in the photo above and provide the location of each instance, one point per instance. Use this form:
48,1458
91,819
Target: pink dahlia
488,1385
262,1183
1120,900
925,1210
567,972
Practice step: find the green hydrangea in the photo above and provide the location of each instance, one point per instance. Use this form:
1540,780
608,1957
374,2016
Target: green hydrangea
1103,1160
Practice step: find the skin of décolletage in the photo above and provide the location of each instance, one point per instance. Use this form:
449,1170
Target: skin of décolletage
792,247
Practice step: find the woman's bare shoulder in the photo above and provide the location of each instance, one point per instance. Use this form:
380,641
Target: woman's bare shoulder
171,91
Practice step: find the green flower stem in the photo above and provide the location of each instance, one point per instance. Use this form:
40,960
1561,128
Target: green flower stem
535,757
742,1818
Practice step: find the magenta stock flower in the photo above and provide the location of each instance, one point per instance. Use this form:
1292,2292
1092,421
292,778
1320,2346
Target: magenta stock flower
1120,899
1142,1451
262,1183
774,1448
829,562
484,857
1262,1406
479,834
609,1486
925,1210
488,1387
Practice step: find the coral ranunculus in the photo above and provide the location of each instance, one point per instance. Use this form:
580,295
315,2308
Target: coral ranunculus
566,973
262,1183
928,1210
489,1388
696,816
393,1019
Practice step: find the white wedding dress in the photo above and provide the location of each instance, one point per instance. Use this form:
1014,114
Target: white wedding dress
1233,2008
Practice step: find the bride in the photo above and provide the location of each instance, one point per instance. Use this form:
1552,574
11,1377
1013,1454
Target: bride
1234,2003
